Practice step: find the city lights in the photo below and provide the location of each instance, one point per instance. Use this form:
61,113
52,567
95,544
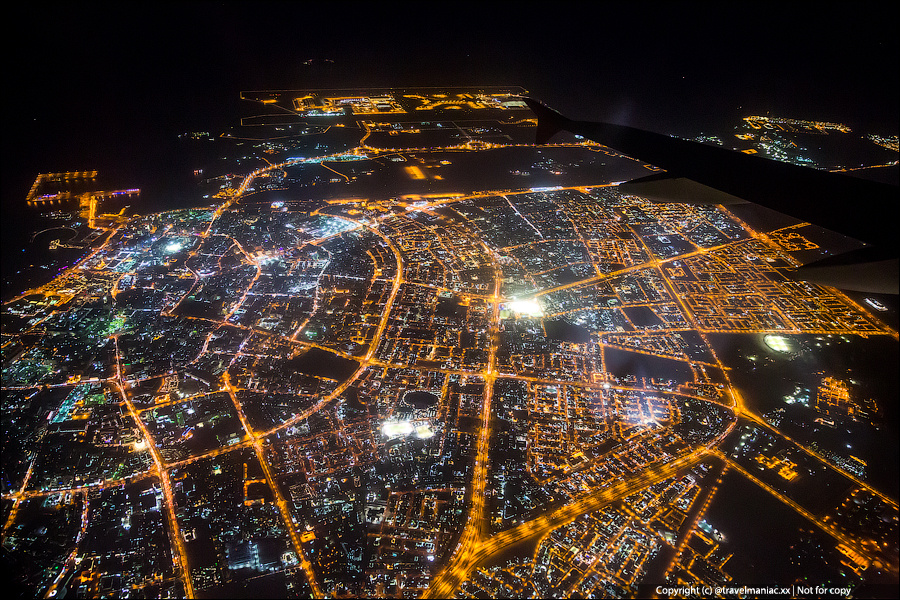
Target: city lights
409,353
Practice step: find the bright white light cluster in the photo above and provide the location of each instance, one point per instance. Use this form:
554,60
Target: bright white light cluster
778,343
392,429
528,308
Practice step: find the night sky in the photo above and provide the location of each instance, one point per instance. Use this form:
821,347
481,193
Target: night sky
91,86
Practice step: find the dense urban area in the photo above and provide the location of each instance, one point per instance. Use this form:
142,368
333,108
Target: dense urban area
398,350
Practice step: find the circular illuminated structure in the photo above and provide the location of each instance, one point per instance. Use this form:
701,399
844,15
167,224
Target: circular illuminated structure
778,343
420,399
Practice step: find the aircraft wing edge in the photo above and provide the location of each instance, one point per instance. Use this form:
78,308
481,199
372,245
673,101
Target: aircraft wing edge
550,122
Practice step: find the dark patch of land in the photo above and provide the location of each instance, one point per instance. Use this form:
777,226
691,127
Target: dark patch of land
622,362
642,316
560,329
320,363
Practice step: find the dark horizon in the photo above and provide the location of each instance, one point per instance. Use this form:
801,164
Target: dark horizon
652,65
110,89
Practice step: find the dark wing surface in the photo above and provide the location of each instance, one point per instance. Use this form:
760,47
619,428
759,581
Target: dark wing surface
701,174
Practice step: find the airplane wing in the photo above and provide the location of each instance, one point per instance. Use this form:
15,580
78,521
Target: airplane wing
701,174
